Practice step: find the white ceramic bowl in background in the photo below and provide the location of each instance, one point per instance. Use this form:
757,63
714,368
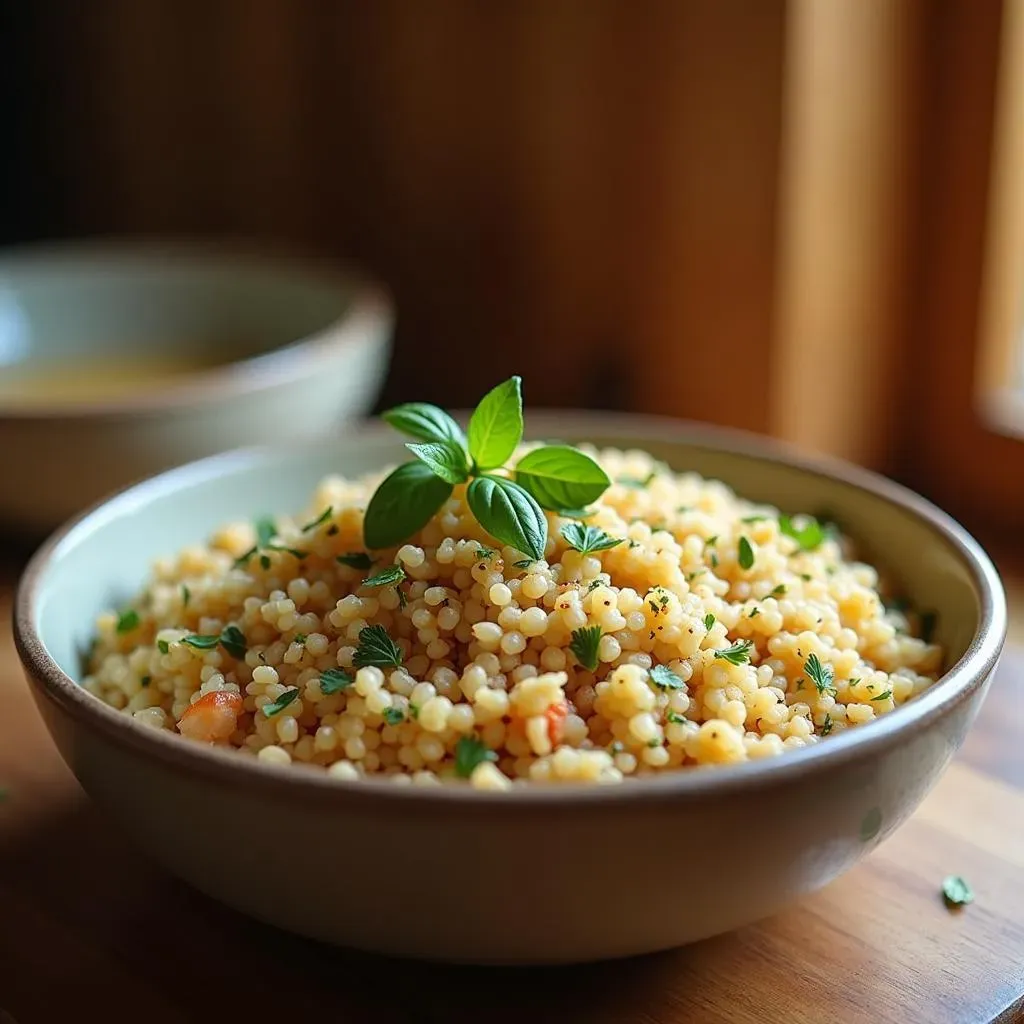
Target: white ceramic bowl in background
539,874
302,347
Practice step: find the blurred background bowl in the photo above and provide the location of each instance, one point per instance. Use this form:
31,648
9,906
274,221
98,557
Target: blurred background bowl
120,360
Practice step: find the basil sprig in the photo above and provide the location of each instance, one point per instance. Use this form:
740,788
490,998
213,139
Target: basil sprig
508,505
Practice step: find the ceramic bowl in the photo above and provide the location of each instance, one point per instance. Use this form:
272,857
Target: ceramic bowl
269,350
536,875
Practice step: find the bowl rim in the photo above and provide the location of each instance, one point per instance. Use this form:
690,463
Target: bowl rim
309,784
365,308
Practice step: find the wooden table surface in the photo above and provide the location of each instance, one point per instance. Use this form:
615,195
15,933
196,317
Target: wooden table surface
89,929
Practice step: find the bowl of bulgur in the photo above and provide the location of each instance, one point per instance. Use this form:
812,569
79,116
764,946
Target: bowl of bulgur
718,684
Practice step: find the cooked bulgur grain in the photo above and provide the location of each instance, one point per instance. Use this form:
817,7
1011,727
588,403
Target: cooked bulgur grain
709,635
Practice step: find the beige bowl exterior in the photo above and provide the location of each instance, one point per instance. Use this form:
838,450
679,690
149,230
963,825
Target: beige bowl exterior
66,457
541,875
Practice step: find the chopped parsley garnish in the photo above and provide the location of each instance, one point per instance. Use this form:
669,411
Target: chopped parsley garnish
654,743
392,716
334,680
737,654
587,539
127,621
806,577
145,681
754,612
523,563
809,536
231,638
389,577
266,530
711,541
675,718
469,752
414,710
483,554
356,560
956,892
745,553
320,519
709,621
883,696
584,645
163,646
299,638
277,706
632,481
665,679
826,726
186,596
376,648
821,674
778,591
654,607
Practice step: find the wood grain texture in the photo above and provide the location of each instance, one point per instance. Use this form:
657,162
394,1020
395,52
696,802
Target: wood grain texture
87,924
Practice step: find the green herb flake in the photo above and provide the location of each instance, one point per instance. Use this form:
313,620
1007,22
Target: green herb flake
163,646
201,641
392,716
675,718
753,519
232,639
584,644
356,560
806,577
956,892
711,541
128,621
300,639
654,743
745,554
414,711
389,577
778,591
243,560
754,612
821,674
883,696
523,563
709,621
809,536
665,679
266,531
277,706
469,752
186,596
145,681
334,680
588,539
826,726
376,648
737,654
714,560
320,519
265,562
486,554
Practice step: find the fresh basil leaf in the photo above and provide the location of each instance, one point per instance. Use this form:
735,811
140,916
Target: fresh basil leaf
403,504
445,459
469,752
127,621
509,514
334,680
276,706
496,426
425,422
376,648
561,478
587,539
385,578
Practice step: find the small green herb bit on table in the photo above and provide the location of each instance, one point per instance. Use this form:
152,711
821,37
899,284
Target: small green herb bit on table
956,892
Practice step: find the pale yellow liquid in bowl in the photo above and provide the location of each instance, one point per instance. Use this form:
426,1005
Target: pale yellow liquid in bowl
97,379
